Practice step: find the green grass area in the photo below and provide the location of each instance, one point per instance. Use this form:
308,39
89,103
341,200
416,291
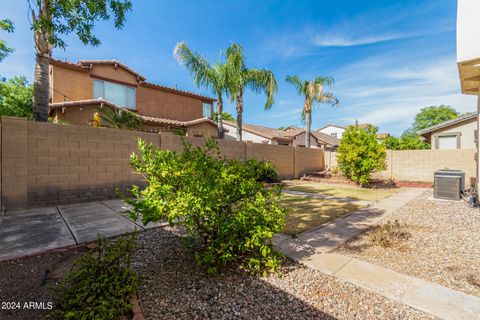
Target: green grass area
307,213
343,191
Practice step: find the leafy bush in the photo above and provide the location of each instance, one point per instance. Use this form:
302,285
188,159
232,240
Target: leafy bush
263,171
360,154
100,283
229,215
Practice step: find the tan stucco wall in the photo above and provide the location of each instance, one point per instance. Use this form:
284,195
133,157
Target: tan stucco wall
467,130
46,164
206,129
72,84
420,165
81,116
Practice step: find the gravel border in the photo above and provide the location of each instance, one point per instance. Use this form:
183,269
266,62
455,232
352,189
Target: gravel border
443,244
175,288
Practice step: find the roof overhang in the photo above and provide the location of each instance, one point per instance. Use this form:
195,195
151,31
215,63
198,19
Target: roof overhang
469,72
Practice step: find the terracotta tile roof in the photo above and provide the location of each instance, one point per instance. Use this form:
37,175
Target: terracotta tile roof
87,63
174,90
84,65
326,138
265,132
156,120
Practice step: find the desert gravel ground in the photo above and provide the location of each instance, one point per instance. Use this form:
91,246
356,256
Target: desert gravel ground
24,280
175,288
443,244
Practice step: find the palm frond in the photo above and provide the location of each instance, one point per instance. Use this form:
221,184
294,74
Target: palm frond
204,75
262,81
328,98
119,119
297,83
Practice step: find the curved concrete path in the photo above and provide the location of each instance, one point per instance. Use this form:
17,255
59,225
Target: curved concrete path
312,248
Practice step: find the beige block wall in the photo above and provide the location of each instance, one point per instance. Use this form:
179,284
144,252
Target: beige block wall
420,165
308,160
282,157
48,164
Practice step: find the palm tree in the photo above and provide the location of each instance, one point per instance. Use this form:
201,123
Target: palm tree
205,75
118,118
238,77
313,92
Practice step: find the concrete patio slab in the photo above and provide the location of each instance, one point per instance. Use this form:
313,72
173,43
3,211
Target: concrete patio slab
26,232
122,208
87,220
329,263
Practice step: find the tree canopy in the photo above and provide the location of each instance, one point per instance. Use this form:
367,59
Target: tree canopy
16,97
433,115
225,116
5,25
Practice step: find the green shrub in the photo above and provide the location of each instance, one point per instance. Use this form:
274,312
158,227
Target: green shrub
229,215
263,171
360,154
100,283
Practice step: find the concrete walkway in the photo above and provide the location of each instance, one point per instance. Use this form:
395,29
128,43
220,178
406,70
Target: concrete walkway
325,197
333,235
31,231
431,298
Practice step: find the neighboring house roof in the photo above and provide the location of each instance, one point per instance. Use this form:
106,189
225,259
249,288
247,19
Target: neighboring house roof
84,66
383,135
326,138
148,119
281,135
265,132
444,124
332,125
88,63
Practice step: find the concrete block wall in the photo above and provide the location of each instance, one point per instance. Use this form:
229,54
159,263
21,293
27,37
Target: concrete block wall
46,164
420,165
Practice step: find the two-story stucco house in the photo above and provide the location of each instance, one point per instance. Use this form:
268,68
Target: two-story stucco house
77,90
459,133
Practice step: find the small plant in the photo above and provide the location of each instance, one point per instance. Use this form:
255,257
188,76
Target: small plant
100,283
388,235
263,171
360,154
227,213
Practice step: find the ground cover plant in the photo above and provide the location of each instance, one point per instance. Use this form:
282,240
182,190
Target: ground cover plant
227,213
360,154
100,283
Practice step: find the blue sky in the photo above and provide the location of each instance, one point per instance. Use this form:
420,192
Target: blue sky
389,57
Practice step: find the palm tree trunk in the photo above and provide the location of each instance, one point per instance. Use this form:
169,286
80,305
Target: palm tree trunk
221,133
239,114
308,120
43,50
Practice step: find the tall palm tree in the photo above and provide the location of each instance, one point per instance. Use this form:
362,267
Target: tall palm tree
313,92
205,75
118,119
239,77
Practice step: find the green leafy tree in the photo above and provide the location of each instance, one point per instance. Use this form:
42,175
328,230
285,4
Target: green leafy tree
53,19
313,92
16,98
239,78
360,154
225,116
221,203
205,75
119,119
5,25
433,115
407,141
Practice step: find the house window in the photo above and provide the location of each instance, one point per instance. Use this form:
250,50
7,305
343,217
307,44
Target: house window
207,110
448,141
333,134
121,95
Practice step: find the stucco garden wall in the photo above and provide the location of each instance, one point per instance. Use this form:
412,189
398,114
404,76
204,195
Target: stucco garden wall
420,165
